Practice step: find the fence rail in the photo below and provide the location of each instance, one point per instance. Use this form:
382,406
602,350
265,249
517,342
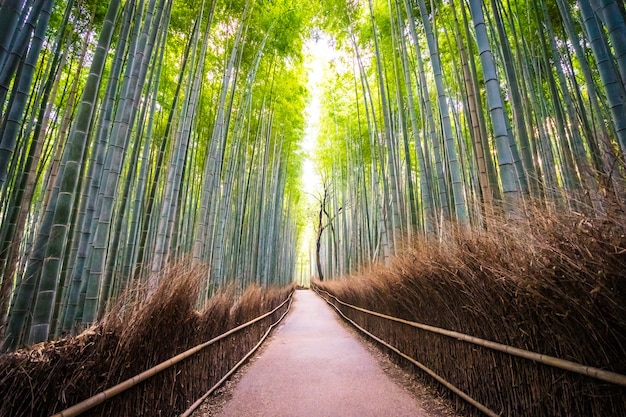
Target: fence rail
566,365
483,408
589,371
196,404
101,397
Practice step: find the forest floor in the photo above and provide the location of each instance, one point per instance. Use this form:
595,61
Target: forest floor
314,365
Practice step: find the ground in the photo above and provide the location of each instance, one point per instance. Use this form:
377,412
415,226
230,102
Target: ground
297,354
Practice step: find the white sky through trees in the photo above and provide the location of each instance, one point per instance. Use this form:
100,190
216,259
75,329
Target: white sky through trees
319,52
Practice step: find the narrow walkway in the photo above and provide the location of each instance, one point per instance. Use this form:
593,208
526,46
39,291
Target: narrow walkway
314,367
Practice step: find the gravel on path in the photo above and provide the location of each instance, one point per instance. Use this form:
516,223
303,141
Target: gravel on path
314,366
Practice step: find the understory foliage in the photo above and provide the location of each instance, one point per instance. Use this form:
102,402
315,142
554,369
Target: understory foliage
134,338
554,285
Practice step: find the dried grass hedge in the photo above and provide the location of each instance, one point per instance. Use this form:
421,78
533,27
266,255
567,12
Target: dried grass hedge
49,377
553,285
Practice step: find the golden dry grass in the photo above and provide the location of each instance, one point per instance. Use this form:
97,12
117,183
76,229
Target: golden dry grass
52,376
554,285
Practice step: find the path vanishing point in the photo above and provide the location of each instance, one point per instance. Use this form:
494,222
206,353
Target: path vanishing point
314,366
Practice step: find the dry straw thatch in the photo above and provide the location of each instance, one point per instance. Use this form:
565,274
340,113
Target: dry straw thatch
50,377
554,285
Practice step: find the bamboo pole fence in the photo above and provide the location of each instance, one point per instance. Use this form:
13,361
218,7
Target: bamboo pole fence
589,371
101,397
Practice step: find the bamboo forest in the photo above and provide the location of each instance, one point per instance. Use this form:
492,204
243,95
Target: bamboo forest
459,163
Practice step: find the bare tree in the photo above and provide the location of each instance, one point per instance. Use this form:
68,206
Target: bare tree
324,200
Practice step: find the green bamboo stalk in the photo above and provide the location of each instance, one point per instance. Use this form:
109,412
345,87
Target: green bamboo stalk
508,174
47,290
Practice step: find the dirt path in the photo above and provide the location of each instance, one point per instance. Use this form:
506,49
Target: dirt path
314,366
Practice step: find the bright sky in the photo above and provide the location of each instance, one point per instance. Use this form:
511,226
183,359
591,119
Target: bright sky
319,53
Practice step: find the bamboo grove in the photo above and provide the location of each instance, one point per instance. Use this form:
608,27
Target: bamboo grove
464,109
137,134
